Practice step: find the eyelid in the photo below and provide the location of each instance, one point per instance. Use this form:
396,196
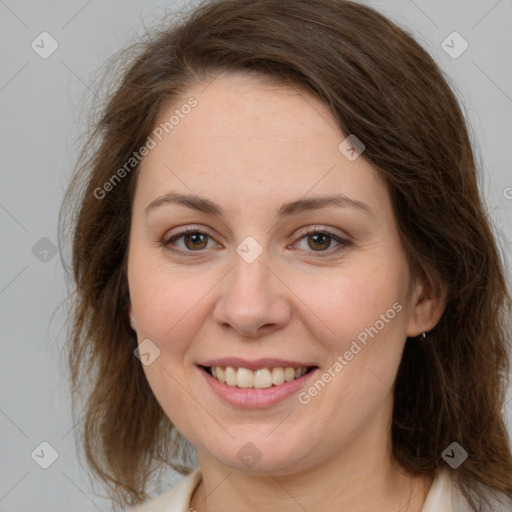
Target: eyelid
312,230
191,228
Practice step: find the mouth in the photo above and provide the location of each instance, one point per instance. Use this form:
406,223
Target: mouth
256,383
260,378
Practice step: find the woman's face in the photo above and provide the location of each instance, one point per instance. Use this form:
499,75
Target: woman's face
256,164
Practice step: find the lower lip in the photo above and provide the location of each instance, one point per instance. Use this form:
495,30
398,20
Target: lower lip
252,398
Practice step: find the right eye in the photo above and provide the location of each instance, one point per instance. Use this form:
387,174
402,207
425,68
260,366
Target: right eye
194,240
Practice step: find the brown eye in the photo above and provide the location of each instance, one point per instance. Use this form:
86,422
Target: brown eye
195,241
320,240
190,241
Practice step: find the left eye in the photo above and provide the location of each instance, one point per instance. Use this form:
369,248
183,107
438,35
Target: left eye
319,240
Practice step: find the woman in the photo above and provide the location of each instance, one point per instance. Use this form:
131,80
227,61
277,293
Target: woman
282,261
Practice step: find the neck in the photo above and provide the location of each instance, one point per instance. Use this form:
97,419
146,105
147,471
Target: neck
387,493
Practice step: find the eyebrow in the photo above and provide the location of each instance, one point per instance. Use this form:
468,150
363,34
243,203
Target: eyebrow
204,205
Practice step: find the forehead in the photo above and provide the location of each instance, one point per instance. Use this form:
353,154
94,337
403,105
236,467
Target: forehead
245,134
245,111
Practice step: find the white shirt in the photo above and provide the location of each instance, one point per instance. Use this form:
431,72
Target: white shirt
443,496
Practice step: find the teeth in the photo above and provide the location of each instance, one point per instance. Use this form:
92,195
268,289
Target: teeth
219,373
260,379
230,376
278,376
244,378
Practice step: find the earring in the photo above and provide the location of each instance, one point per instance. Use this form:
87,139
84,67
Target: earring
132,322
424,335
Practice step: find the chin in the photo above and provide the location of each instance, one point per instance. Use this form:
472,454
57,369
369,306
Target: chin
262,453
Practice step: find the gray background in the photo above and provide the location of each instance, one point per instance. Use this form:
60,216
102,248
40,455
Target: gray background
43,111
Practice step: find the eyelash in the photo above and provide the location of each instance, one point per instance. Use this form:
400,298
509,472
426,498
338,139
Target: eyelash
343,243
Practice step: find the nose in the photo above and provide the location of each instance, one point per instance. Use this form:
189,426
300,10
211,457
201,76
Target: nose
253,299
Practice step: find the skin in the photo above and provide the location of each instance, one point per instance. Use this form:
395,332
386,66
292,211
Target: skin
249,147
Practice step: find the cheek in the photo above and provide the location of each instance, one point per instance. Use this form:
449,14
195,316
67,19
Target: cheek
168,304
362,329
166,300
364,318
354,304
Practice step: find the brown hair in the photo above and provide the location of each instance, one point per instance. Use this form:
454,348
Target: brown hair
380,85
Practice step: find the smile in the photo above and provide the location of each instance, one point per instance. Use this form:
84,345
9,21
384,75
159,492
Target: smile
261,378
256,388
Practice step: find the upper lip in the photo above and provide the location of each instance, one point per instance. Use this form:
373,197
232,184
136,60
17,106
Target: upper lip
255,364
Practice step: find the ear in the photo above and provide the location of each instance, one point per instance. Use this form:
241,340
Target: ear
426,307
